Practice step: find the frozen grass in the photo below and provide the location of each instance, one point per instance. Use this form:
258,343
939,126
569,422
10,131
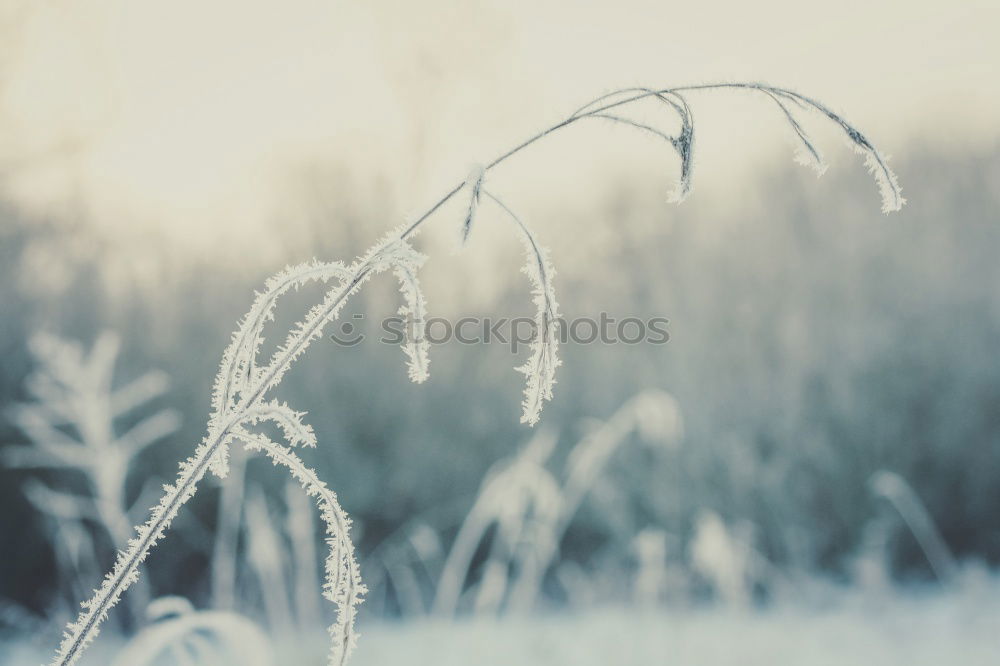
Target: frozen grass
82,424
243,384
912,631
917,628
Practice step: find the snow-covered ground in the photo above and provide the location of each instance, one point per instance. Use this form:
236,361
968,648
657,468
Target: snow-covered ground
910,632
914,629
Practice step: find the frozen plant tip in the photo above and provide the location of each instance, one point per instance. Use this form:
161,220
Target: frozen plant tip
475,184
241,394
806,152
541,367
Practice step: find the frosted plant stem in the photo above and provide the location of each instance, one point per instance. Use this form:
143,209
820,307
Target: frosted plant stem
240,376
541,367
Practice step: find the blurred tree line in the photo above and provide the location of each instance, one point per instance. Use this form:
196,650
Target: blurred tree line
813,343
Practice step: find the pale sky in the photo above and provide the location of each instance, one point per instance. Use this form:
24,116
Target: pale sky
194,118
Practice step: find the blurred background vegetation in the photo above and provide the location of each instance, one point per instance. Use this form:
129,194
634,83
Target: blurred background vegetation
813,343
835,369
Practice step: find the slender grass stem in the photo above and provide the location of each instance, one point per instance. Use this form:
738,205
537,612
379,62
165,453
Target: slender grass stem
251,385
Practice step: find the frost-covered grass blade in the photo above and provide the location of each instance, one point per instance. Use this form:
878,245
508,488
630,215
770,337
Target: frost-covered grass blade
242,387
